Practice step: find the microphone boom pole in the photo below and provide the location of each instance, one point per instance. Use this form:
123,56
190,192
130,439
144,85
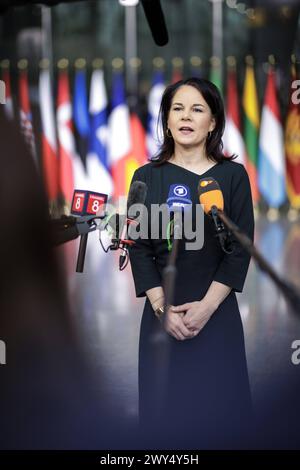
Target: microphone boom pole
287,288
170,271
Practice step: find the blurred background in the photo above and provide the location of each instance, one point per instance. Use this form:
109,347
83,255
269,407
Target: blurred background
83,83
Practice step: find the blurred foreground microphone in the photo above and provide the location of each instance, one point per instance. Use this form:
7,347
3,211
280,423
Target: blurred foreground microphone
211,197
156,21
137,195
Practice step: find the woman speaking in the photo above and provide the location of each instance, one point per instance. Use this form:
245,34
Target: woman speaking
201,398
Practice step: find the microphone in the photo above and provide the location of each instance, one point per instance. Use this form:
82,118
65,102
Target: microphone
137,195
63,229
68,228
87,203
179,200
211,197
156,21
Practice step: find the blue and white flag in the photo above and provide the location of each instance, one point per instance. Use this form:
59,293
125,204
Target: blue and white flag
97,162
154,129
271,161
81,114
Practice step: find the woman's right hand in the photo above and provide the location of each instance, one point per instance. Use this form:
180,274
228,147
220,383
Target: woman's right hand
174,325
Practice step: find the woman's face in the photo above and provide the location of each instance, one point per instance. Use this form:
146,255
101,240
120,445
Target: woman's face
190,118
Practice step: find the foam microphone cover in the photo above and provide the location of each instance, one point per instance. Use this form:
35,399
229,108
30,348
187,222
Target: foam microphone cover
210,194
137,194
156,21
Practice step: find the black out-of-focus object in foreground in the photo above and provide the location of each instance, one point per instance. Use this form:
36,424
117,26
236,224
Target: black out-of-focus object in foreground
68,227
156,21
152,8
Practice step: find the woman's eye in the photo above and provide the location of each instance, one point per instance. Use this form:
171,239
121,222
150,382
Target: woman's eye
198,110
176,109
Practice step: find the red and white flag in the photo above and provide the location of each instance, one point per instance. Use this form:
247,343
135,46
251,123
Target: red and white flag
49,142
233,139
8,104
25,112
71,170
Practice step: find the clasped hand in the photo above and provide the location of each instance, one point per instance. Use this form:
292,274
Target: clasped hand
187,320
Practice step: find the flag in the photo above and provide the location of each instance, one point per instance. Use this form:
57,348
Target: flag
71,170
49,143
154,127
119,143
25,112
292,148
251,127
271,170
97,165
8,105
215,75
81,113
233,140
195,65
177,75
138,154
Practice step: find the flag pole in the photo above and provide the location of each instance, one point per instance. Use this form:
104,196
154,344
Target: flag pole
131,55
47,49
217,32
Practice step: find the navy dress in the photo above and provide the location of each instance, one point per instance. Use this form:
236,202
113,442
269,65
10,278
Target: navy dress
194,393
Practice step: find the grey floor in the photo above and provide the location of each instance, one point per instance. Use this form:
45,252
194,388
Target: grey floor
107,317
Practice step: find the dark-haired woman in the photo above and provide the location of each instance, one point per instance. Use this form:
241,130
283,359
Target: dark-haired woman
193,380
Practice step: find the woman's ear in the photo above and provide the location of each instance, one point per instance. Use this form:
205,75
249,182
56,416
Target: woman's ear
212,124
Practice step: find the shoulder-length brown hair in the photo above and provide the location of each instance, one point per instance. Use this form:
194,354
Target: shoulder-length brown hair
211,94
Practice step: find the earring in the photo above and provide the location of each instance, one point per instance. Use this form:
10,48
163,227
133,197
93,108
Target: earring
208,135
168,133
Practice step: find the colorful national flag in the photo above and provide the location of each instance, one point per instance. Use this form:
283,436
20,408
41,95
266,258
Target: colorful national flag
25,110
251,127
119,144
271,167
177,74
233,140
80,110
138,154
215,74
196,63
154,130
8,105
49,142
97,165
292,146
71,170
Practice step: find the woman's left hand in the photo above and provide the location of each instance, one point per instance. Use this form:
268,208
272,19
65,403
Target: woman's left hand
196,315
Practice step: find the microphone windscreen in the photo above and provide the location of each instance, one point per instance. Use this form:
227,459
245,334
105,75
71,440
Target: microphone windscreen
179,198
137,194
210,194
156,21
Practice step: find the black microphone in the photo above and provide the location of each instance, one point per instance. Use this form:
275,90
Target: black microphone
211,197
63,229
156,20
68,227
137,195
